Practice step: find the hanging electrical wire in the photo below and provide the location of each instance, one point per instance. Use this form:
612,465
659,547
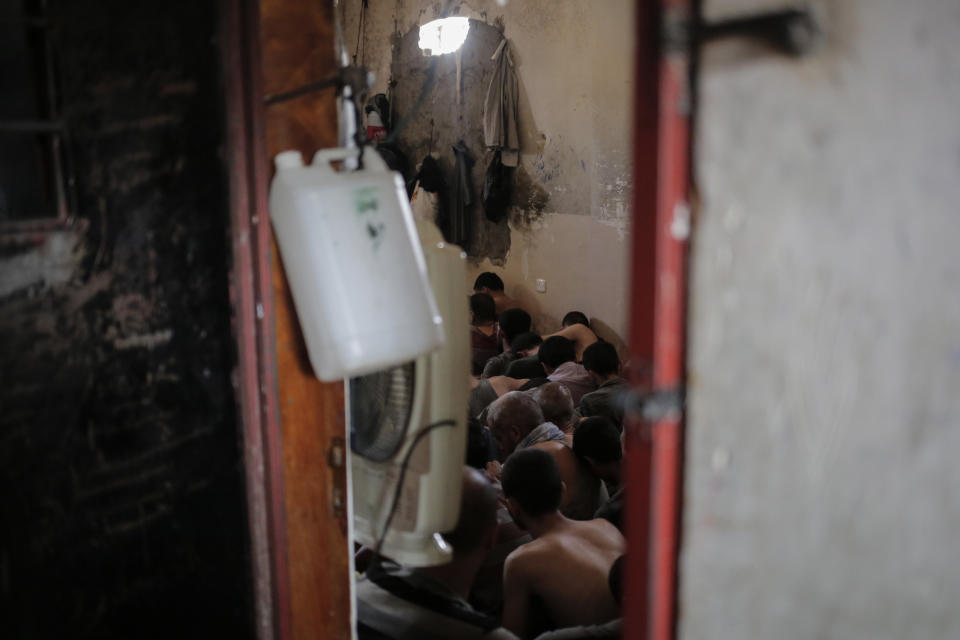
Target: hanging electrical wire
361,33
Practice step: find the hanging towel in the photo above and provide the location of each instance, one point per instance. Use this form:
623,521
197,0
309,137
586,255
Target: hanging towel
459,230
429,197
496,189
500,111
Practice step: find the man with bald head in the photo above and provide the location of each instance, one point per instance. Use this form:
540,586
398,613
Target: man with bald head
396,603
516,422
557,405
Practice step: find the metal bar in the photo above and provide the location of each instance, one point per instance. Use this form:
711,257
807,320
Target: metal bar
669,323
33,126
658,291
794,31
638,434
331,81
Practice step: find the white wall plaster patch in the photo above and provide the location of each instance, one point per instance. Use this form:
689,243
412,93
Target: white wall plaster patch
680,225
144,340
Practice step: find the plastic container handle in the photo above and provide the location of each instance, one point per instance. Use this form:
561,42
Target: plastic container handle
323,157
372,161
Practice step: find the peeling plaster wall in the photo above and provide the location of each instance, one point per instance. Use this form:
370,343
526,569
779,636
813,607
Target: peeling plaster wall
821,471
122,508
574,62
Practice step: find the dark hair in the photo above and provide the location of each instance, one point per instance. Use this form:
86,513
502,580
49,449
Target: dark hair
525,341
531,477
514,322
575,317
615,579
526,368
601,358
489,280
483,307
598,438
480,449
556,350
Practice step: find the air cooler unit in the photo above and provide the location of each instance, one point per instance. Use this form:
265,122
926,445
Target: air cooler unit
415,415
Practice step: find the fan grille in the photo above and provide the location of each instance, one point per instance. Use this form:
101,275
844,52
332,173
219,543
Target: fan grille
380,407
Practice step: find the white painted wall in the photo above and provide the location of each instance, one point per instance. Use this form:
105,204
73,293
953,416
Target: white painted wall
822,480
575,68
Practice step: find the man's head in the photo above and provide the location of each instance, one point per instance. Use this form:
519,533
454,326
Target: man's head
601,360
511,417
477,525
597,441
575,317
513,322
526,344
483,308
487,282
555,351
532,485
556,403
479,443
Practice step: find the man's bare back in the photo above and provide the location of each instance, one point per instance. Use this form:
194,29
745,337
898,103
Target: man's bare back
567,568
583,495
581,335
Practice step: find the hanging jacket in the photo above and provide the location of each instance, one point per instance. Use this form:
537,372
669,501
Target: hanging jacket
500,110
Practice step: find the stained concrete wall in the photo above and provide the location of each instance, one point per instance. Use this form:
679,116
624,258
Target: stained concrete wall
569,225
821,473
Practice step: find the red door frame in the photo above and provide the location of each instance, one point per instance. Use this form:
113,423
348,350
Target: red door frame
657,314
657,308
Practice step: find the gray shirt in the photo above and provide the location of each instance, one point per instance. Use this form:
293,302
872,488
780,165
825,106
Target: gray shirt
607,401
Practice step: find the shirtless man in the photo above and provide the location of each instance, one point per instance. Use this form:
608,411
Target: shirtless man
516,422
401,603
576,327
567,565
491,284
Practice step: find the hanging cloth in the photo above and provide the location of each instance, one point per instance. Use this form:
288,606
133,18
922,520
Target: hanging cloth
459,230
496,189
500,110
429,198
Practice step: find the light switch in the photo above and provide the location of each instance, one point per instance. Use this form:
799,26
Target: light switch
541,285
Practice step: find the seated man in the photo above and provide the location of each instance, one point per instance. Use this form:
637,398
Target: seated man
512,322
603,364
557,405
485,391
597,441
490,283
576,327
484,332
565,569
516,422
557,357
527,365
395,603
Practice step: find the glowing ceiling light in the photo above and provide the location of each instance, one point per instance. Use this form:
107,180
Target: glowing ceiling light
445,35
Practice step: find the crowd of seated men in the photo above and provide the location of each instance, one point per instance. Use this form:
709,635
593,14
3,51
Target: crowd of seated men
539,543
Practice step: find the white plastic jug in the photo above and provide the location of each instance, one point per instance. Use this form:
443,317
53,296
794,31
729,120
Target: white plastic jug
354,262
